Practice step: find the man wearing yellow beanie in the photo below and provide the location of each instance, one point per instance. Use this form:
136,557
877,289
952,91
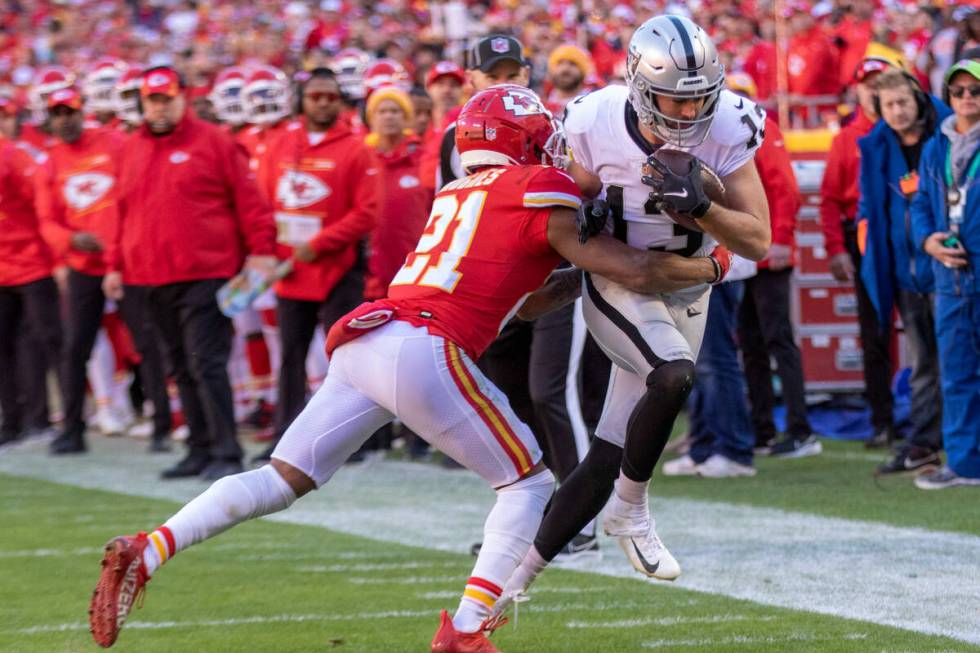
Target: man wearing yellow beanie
405,202
568,68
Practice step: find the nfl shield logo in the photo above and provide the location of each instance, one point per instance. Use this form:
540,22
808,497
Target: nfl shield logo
499,45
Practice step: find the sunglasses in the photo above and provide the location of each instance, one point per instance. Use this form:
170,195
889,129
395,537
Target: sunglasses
959,91
326,95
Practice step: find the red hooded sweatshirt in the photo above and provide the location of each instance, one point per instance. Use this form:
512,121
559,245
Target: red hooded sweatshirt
189,209
839,190
24,256
326,194
74,192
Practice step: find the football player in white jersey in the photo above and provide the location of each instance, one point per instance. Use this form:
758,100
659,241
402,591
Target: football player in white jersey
675,99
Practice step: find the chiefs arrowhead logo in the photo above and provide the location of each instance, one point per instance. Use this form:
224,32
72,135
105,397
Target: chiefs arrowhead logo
298,189
84,190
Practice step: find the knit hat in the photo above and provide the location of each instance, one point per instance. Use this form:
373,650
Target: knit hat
572,53
397,95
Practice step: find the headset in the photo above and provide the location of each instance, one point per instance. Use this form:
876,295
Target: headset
302,79
921,97
148,71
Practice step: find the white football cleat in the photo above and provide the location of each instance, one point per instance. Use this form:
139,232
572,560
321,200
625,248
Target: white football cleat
683,466
107,422
634,528
718,466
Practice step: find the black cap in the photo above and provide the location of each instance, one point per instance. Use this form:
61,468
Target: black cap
486,52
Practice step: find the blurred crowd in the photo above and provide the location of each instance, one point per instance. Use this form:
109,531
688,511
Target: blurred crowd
151,149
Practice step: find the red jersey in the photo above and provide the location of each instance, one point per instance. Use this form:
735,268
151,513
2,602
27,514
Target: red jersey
484,248
74,193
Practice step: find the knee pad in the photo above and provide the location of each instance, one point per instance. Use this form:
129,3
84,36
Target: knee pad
672,378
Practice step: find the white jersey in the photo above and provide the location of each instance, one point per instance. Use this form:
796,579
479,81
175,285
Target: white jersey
604,138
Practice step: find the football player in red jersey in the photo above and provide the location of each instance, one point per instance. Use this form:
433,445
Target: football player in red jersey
492,238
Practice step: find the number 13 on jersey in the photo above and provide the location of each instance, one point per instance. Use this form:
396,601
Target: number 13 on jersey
447,238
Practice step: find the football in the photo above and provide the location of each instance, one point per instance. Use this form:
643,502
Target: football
680,163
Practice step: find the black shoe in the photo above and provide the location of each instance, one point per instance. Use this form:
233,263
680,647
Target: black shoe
449,463
261,417
797,446
159,444
68,443
221,468
910,459
880,440
266,455
580,546
8,437
192,465
475,549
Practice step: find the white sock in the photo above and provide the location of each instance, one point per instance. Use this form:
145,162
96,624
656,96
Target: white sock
507,536
532,565
631,491
229,501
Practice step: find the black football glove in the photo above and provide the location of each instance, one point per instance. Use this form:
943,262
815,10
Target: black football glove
678,193
591,219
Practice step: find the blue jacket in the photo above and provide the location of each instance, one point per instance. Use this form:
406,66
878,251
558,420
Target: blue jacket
892,256
929,216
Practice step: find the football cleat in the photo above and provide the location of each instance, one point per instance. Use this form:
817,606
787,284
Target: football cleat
449,640
636,532
120,585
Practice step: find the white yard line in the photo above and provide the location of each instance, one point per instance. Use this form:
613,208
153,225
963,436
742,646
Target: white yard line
665,621
744,641
920,580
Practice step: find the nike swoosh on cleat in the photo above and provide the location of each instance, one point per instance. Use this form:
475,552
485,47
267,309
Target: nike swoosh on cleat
650,569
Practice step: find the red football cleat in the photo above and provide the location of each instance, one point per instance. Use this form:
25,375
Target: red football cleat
447,640
120,585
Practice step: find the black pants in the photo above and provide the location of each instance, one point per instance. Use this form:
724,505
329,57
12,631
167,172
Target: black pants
197,340
28,314
764,330
86,304
298,320
874,345
135,311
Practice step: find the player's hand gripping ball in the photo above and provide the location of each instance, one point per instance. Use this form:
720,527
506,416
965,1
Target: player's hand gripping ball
683,186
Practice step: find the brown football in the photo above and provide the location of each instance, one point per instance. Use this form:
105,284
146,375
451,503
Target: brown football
680,163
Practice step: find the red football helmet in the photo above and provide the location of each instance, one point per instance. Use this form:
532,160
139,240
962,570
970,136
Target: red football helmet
99,84
504,125
46,81
386,72
126,95
227,97
266,95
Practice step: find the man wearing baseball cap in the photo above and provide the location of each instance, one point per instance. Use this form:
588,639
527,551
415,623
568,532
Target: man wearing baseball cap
444,84
190,214
76,209
494,59
946,222
839,194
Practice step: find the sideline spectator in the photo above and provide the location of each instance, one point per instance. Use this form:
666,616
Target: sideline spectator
893,269
28,297
189,212
946,220
569,68
326,190
838,214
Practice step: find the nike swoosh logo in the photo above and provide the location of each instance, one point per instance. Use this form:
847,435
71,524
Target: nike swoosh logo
681,195
692,312
650,569
741,103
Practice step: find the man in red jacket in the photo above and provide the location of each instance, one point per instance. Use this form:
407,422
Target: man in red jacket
28,296
444,84
838,216
77,209
764,324
326,190
189,213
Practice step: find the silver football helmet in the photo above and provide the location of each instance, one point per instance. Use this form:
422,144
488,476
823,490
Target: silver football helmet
671,56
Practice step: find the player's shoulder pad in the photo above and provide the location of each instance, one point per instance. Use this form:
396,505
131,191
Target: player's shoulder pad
549,186
583,112
738,120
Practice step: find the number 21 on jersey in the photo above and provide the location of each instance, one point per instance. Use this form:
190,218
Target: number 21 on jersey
446,240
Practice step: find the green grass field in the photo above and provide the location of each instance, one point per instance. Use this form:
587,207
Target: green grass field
275,586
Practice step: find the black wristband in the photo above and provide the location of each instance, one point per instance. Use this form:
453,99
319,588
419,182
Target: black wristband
718,269
701,210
